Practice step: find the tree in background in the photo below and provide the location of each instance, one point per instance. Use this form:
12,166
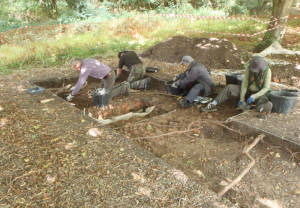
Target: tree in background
72,4
49,6
280,11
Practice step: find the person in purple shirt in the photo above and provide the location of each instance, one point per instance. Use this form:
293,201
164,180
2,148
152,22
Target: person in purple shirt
94,68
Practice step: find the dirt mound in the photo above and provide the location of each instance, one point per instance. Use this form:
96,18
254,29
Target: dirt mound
212,52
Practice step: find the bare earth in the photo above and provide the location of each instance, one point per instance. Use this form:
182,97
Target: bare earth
172,158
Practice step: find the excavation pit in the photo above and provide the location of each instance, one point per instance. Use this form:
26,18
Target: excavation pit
197,143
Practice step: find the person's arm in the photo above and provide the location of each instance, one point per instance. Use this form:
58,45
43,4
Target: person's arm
81,80
121,64
244,86
266,87
190,77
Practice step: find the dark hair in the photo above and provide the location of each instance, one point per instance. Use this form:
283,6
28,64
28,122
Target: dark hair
123,51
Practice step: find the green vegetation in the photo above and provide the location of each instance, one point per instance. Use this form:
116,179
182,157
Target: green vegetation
107,38
104,27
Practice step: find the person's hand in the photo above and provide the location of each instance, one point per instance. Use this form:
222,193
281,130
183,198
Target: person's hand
175,78
72,88
240,103
250,100
175,84
70,97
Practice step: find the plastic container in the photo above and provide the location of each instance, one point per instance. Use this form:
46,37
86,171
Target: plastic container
234,78
101,97
283,100
35,90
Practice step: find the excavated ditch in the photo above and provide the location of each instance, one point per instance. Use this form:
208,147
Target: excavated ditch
198,144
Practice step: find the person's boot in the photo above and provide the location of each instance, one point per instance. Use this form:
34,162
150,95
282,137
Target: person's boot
121,89
185,103
211,107
265,109
143,84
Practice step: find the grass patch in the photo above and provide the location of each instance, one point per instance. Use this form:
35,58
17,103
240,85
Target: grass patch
132,32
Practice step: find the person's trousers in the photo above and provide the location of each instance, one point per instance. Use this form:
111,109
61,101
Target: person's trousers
109,81
136,77
120,89
137,72
232,90
197,89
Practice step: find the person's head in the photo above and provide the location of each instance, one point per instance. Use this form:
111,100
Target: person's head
257,64
186,60
76,64
121,53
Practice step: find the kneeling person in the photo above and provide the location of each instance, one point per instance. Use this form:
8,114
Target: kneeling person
196,80
94,68
136,70
255,86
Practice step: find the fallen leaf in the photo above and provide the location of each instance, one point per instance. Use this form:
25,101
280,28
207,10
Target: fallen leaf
277,155
50,179
180,176
223,183
94,132
21,88
70,145
1,108
137,177
199,173
144,191
3,122
55,139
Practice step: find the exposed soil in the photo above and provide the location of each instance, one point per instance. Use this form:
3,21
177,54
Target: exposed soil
47,159
212,52
286,74
204,150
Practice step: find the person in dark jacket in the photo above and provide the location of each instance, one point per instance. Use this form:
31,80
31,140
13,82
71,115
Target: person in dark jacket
196,80
136,70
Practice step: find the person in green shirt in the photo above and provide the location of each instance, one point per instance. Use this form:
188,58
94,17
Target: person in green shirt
255,87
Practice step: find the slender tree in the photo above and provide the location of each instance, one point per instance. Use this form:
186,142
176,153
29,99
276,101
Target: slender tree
50,7
72,4
280,12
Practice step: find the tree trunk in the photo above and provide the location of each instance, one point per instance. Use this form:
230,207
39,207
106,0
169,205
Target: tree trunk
54,11
50,7
72,4
281,9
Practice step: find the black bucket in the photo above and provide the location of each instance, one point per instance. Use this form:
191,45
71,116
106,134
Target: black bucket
283,100
101,97
234,78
